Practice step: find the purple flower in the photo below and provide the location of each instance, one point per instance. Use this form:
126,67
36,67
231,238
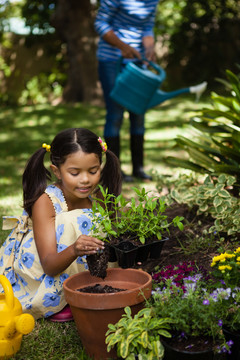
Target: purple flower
206,302
230,343
220,322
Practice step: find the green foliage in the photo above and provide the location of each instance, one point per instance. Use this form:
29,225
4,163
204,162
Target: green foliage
41,89
215,149
142,215
38,14
138,335
213,198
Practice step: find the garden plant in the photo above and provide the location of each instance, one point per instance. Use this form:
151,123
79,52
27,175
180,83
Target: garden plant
215,145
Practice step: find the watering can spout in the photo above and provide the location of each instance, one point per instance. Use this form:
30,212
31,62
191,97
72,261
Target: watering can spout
161,96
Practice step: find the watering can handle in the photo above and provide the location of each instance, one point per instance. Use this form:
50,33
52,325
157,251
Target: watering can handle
158,68
9,297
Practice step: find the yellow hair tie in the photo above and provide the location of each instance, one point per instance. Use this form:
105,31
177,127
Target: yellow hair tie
47,147
103,144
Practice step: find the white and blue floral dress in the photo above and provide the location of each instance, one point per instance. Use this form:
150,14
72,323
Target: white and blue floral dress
41,295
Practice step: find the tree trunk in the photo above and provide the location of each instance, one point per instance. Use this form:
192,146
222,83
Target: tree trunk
73,20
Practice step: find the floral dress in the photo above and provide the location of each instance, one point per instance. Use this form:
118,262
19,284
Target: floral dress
41,295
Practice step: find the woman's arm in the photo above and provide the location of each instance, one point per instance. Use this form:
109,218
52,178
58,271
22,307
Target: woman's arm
104,28
127,51
53,263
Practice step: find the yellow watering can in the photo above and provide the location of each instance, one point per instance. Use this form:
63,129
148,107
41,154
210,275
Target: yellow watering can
13,323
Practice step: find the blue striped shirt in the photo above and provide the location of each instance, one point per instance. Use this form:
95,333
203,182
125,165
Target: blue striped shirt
131,20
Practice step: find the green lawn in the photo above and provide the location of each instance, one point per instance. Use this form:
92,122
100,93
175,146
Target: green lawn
24,129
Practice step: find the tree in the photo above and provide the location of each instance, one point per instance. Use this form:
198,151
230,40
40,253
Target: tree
73,21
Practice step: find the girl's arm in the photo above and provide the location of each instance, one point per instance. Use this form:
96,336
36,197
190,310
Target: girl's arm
53,263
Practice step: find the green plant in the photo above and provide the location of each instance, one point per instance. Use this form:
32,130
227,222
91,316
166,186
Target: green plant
216,147
213,198
142,216
138,335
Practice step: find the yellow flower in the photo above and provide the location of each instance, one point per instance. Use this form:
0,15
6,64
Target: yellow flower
238,258
224,267
229,256
237,250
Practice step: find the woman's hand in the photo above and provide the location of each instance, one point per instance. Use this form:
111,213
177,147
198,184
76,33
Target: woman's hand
127,51
87,245
149,48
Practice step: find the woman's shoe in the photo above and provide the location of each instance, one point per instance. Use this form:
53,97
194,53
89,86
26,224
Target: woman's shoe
64,315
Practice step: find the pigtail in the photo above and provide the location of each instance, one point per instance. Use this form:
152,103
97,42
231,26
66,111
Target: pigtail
34,180
111,174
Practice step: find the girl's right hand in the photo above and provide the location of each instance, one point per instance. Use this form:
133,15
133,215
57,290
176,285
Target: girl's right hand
87,245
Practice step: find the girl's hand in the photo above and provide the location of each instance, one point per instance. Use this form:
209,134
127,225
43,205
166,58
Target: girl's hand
87,245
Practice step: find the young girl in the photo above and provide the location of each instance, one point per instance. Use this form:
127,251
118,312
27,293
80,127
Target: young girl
50,241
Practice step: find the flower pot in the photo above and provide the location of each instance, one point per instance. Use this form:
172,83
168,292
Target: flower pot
156,248
112,253
172,353
126,253
235,348
143,252
93,312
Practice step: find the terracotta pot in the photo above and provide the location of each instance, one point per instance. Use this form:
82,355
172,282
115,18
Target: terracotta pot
93,312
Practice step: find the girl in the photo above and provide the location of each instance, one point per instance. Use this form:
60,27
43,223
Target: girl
51,240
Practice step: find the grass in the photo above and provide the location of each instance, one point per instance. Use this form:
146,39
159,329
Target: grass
24,129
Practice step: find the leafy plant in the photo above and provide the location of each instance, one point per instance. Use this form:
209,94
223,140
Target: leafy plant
213,198
215,149
142,216
138,335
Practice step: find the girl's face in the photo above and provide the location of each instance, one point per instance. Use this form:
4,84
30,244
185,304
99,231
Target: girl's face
79,175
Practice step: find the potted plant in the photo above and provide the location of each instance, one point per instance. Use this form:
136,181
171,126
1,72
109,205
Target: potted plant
92,312
226,269
196,326
139,223
138,335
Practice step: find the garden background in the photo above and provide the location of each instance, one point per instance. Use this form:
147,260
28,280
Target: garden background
46,87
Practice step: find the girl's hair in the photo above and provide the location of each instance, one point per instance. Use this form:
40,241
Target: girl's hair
68,141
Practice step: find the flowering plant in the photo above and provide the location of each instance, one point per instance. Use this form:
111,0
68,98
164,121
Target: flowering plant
194,310
226,269
179,274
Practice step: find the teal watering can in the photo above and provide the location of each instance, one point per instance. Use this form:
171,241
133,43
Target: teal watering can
137,88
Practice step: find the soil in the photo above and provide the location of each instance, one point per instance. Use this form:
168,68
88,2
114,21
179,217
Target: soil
179,247
97,263
99,289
